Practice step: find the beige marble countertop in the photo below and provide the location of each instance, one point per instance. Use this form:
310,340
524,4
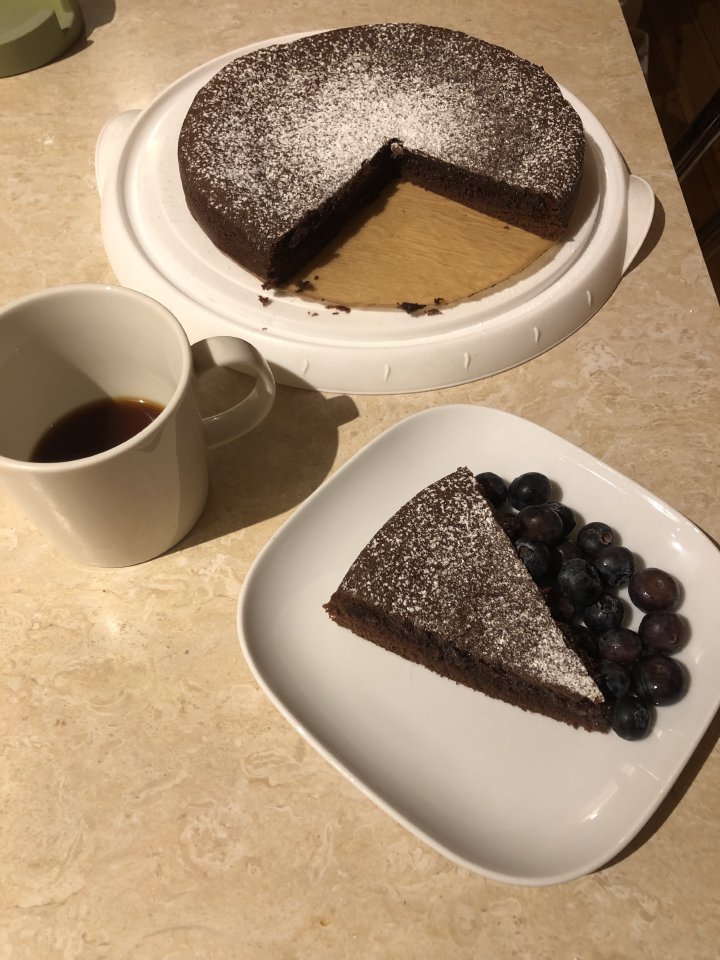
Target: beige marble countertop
153,803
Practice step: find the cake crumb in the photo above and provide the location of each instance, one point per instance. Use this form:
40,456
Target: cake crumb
304,285
434,312
337,307
265,301
438,300
411,307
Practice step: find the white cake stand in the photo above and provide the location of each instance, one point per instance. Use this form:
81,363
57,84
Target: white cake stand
155,246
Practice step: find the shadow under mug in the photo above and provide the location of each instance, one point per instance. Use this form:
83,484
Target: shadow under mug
68,346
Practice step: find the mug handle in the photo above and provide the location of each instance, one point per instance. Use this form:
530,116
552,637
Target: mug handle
237,355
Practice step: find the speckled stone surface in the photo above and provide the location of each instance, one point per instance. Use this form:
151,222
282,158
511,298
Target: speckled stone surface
153,803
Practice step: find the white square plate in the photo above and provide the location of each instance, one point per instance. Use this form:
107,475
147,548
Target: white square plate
509,794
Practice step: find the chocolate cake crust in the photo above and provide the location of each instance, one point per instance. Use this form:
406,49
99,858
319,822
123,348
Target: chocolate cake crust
284,144
441,585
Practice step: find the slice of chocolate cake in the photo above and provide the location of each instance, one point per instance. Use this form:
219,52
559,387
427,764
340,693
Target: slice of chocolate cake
440,584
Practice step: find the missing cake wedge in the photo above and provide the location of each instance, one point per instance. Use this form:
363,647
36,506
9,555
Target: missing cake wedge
440,584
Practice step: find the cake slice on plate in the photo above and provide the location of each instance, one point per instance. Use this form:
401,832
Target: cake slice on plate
441,585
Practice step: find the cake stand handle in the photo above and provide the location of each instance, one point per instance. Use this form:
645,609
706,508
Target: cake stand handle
241,356
640,210
113,137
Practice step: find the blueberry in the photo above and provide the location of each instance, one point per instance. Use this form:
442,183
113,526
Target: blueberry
560,607
615,565
607,613
587,640
492,487
510,524
579,582
659,679
652,589
662,632
630,718
614,679
565,514
580,639
620,646
529,488
593,537
535,556
567,550
541,523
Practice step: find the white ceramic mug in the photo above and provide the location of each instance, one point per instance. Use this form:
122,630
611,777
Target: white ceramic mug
68,346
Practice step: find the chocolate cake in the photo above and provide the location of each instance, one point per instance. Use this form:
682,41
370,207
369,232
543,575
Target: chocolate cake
283,145
441,585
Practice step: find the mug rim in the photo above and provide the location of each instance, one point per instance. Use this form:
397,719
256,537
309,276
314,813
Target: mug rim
183,385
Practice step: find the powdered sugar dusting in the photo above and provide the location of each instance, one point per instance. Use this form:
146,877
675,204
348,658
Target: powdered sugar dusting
278,132
443,562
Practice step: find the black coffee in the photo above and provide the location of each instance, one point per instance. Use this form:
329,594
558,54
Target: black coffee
94,427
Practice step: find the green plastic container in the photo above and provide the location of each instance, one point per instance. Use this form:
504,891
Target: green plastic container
34,32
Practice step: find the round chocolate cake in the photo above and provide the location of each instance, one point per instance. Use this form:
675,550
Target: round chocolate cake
283,145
